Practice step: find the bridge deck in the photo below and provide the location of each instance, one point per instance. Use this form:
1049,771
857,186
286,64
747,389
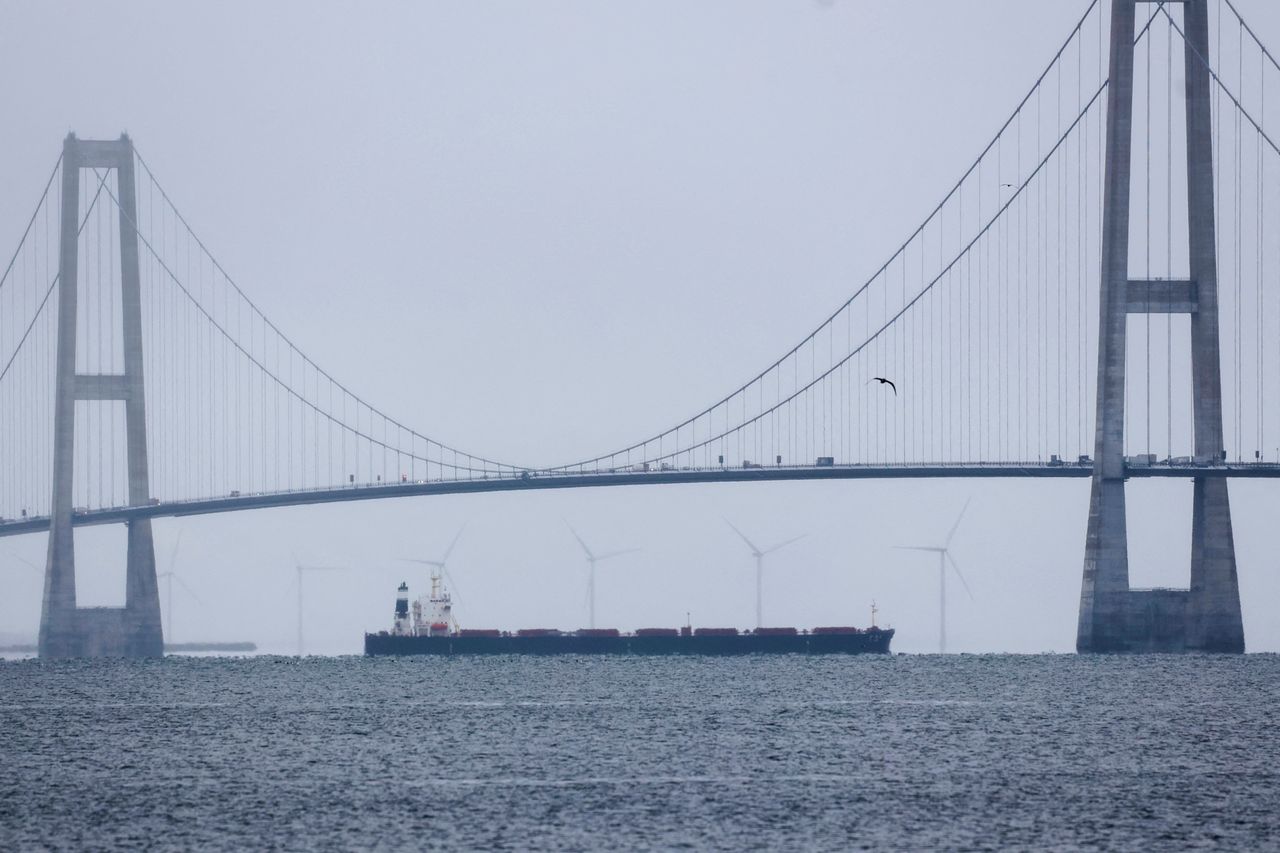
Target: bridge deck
541,480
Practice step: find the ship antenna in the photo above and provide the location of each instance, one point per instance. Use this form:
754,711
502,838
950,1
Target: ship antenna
874,611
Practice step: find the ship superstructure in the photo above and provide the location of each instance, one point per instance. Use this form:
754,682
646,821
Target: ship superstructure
432,614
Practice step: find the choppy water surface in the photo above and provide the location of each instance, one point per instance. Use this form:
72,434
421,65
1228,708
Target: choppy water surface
777,752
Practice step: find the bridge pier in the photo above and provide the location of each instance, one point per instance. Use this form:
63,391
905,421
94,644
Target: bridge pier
67,630
1206,617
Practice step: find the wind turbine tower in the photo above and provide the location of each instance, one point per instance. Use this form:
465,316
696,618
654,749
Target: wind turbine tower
760,555
944,556
169,577
592,559
301,569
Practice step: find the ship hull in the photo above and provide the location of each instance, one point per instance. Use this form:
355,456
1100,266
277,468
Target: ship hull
866,642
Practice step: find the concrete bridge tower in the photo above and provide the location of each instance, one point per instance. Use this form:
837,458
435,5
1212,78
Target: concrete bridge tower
1113,617
65,629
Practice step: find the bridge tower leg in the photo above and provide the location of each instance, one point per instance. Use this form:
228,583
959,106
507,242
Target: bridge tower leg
65,629
1113,617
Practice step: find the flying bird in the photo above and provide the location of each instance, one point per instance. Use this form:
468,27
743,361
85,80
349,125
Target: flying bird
884,381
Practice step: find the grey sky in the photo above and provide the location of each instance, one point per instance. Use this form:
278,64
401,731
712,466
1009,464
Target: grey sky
542,230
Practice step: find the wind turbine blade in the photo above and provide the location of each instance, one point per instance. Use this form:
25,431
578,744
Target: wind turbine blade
24,561
957,570
187,587
616,553
453,585
956,526
917,548
743,537
445,558
437,563
782,545
590,556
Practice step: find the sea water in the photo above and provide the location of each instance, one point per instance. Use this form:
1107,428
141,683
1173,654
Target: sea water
776,752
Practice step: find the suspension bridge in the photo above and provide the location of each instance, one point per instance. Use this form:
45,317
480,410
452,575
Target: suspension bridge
1089,299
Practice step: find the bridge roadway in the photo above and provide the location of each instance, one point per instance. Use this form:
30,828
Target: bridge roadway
534,480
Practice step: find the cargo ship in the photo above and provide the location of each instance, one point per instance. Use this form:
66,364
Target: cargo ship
428,627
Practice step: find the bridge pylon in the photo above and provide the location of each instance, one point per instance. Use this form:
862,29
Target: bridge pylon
1114,617
67,630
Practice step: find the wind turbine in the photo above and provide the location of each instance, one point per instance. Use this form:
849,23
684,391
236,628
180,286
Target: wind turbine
944,555
300,569
760,555
169,577
441,563
592,559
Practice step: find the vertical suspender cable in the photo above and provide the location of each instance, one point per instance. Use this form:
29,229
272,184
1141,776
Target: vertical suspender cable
1042,279
1260,184
1147,224
1239,233
1020,270
100,363
999,304
1060,238
111,337
1080,232
1216,105
1168,220
901,454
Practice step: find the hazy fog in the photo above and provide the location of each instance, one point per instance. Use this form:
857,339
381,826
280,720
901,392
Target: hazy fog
540,230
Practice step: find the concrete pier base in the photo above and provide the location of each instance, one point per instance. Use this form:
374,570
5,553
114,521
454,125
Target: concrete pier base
1164,621
132,631
1143,621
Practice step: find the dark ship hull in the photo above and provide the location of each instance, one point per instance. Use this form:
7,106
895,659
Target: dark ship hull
870,641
